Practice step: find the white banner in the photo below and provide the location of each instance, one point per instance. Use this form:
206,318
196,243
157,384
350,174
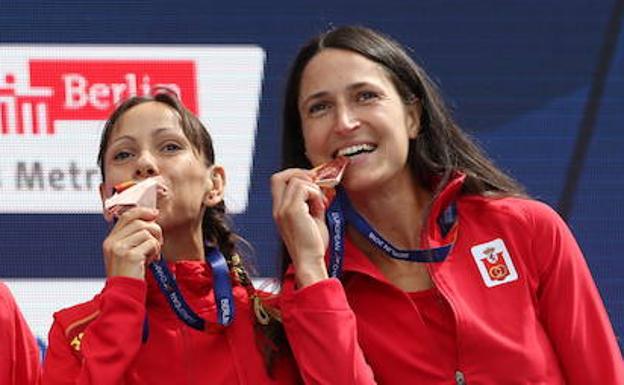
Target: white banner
54,101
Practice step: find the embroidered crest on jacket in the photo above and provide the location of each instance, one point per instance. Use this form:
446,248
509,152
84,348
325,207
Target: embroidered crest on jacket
494,263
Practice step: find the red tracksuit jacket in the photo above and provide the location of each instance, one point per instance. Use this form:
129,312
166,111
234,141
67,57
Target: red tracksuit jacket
100,341
526,309
19,354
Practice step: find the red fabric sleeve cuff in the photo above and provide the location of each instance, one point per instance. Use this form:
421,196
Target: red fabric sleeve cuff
327,294
129,287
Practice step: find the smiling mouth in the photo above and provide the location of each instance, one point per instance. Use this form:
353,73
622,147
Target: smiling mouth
355,150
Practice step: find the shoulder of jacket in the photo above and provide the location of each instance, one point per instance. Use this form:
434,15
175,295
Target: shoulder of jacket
520,207
74,320
6,295
4,289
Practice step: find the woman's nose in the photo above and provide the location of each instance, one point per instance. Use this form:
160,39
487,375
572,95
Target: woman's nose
146,166
346,120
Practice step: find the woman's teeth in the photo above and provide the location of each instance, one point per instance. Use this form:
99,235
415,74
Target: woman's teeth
355,150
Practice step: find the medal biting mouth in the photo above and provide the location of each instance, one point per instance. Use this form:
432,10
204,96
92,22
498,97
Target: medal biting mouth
132,194
330,174
161,188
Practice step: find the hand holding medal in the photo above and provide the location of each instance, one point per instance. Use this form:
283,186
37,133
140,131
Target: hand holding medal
136,238
300,198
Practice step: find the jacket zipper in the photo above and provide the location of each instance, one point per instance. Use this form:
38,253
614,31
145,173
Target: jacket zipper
460,378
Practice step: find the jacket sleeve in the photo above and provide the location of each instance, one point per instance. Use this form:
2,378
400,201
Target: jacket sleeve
97,345
570,306
322,333
19,354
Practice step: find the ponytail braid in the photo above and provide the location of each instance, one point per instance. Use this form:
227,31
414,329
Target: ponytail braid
216,230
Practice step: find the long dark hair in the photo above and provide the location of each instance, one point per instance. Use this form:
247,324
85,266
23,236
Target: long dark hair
439,150
441,147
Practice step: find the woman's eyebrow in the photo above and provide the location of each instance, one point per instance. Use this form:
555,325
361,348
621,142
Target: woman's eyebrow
316,95
123,138
350,87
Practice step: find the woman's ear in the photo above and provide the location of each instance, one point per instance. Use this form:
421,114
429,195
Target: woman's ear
215,186
414,112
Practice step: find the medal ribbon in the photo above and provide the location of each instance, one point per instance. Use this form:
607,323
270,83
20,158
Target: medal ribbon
224,299
340,212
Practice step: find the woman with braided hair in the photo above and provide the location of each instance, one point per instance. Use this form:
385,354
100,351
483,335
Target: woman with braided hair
177,306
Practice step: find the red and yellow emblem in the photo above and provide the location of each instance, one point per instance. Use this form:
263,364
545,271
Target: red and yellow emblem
494,263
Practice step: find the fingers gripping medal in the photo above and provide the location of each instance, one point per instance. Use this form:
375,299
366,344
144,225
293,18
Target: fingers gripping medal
327,176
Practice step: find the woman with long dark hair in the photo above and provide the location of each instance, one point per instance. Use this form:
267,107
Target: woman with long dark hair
430,265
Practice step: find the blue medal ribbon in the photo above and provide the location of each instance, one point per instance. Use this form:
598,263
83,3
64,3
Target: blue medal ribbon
336,222
169,288
224,299
341,212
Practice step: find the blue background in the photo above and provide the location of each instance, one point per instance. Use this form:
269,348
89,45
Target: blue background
539,84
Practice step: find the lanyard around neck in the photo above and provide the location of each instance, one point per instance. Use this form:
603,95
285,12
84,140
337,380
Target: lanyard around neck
340,212
224,298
